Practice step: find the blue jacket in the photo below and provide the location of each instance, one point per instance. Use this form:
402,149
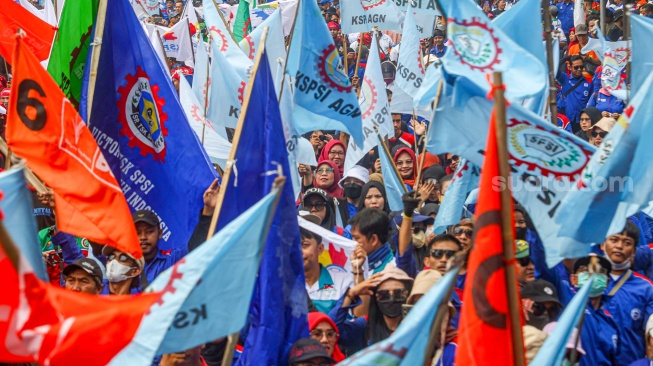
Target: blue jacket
606,103
631,307
566,15
577,99
163,260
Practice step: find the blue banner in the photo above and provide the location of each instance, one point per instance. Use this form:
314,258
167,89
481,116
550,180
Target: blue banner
465,179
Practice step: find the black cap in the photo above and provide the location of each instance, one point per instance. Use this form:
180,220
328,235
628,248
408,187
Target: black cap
316,192
438,33
540,291
146,216
87,265
306,349
434,172
617,15
585,261
429,208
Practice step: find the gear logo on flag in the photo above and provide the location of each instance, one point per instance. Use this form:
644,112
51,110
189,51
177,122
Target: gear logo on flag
241,92
546,152
332,71
247,45
142,118
219,39
369,4
611,73
475,44
622,56
367,99
150,6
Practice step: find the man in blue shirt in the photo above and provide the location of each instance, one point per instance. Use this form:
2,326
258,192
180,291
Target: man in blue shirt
575,91
438,48
566,15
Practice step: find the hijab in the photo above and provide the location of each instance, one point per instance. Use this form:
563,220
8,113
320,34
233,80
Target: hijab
324,154
381,188
410,181
316,318
334,190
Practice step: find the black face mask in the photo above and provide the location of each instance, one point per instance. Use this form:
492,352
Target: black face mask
538,321
391,309
352,190
521,232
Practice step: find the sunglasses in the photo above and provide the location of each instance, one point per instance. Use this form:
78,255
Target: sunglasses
524,261
317,205
325,170
602,134
418,229
121,257
539,309
391,295
319,333
452,159
578,67
460,231
439,253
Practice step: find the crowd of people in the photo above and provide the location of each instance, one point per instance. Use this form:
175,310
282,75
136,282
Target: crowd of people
350,310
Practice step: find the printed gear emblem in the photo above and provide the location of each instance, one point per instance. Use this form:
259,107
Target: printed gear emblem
241,92
169,288
251,50
205,91
223,39
371,3
369,93
486,66
246,26
622,51
74,55
420,64
322,65
546,169
125,130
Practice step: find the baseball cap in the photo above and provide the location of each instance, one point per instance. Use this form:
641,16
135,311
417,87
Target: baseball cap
581,29
427,220
325,2
605,123
333,25
357,172
522,249
429,208
434,172
316,191
585,261
5,92
87,265
146,216
540,291
394,273
306,349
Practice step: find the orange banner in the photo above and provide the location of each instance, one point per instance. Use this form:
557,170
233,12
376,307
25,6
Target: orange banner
485,320
45,129
39,35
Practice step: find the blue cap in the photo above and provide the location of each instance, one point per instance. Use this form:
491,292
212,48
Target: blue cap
428,220
324,1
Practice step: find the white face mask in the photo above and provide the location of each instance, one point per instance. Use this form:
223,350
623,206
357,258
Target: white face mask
117,272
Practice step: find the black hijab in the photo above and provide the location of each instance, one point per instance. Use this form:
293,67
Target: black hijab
381,188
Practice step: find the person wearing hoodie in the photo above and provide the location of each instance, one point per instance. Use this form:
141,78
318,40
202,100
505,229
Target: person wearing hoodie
334,151
588,117
324,330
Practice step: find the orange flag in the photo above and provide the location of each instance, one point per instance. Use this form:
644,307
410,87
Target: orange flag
45,129
54,326
39,34
484,336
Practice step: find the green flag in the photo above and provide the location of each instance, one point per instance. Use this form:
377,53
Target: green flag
71,46
242,23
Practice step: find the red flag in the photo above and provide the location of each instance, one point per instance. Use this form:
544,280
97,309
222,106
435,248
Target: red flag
39,34
485,320
45,129
50,325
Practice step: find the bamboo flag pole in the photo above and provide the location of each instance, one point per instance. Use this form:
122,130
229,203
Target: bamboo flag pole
29,175
392,162
345,52
95,57
627,22
237,134
190,38
290,38
225,22
422,155
358,57
553,90
206,93
506,221
232,339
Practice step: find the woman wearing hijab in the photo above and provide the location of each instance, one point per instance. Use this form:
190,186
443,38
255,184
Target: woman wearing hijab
335,152
317,202
406,164
588,118
324,330
373,196
327,177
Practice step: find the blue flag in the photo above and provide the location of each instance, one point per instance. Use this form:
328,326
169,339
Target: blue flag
407,344
480,47
19,218
545,161
410,69
554,348
394,187
277,314
642,59
142,131
619,178
207,293
323,95
465,179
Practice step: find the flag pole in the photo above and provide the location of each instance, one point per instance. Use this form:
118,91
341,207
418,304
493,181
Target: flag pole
345,48
206,93
553,90
95,57
422,156
627,36
506,220
8,245
190,38
225,22
29,175
290,37
358,57
392,162
237,134
602,16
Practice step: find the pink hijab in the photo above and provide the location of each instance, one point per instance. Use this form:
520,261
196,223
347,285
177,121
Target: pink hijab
324,154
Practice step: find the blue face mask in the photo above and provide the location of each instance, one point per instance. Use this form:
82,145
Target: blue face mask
598,285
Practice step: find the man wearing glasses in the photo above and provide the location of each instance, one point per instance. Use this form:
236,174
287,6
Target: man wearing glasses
575,93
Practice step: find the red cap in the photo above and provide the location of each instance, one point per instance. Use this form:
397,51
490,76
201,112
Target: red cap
5,92
333,25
